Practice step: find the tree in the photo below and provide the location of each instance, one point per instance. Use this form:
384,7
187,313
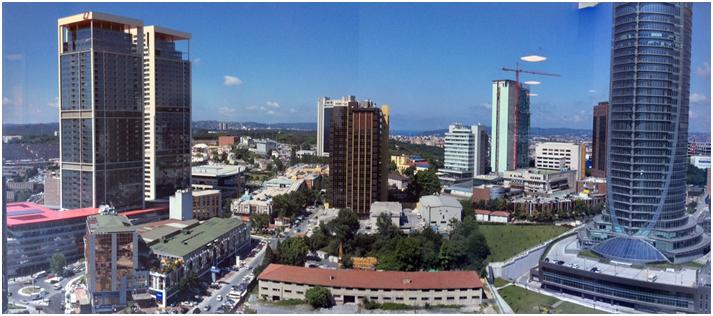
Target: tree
425,183
259,221
278,164
410,171
293,157
293,251
57,263
392,166
696,176
345,226
269,256
453,254
385,227
319,297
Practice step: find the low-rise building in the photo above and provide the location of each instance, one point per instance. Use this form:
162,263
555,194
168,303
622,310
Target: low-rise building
397,181
51,187
265,146
35,233
439,210
226,178
227,140
701,162
111,250
302,153
592,185
206,204
392,209
282,282
540,181
566,203
559,156
492,216
260,201
183,251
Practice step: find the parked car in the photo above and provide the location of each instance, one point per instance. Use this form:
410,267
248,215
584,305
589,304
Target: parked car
206,308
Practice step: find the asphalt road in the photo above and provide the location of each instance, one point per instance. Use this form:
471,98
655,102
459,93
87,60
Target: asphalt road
56,297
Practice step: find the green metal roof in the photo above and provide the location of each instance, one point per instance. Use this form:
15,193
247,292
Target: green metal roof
107,223
192,239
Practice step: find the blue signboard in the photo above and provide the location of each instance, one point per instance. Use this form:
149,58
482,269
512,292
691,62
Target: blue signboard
159,296
214,269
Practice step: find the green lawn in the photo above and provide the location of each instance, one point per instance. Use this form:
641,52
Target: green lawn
505,241
523,301
500,282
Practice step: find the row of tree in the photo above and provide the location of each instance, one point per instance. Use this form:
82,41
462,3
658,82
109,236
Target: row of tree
463,248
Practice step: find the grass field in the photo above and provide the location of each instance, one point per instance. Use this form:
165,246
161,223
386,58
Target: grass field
505,241
500,282
523,301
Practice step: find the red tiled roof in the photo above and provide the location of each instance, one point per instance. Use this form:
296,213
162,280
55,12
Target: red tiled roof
24,213
500,213
483,212
372,279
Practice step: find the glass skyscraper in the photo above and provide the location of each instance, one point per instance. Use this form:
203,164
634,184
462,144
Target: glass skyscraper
101,111
646,219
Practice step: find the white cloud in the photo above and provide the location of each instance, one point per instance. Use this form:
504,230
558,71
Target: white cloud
698,98
486,105
703,71
227,111
271,112
252,107
14,57
272,104
197,60
592,91
293,110
54,103
231,81
691,114
6,101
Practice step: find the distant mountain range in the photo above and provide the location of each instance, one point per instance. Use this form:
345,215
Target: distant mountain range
50,128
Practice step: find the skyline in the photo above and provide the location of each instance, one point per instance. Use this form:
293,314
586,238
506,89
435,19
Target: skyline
275,73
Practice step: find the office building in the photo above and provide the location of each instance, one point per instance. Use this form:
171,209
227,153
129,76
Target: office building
228,140
35,233
359,157
699,148
167,112
282,282
101,111
226,178
599,140
325,106
701,162
559,156
541,181
465,153
190,248
510,127
111,252
646,218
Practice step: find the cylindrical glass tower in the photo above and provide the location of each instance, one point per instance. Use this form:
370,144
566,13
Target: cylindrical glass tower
646,218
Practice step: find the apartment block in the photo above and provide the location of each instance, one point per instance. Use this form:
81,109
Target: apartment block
510,126
599,140
559,156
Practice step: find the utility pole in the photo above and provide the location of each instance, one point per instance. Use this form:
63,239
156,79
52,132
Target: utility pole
517,72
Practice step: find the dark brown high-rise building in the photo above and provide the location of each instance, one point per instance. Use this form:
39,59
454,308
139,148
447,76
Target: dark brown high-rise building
358,135
599,140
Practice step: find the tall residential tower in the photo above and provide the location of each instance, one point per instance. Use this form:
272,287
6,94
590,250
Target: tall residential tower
167,113
101,111
359,156
509,131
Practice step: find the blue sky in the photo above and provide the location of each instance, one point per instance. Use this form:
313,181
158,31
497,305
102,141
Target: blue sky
432,63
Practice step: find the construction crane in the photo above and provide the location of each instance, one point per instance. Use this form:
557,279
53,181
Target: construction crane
517,72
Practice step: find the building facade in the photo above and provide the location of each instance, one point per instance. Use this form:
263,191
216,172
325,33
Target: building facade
648,134
510,128
325,106
281,282
111,252
51,187
206,204
559,156
226,178
540,181
465,153
358,156
439,210
167,112
599,139
100,111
